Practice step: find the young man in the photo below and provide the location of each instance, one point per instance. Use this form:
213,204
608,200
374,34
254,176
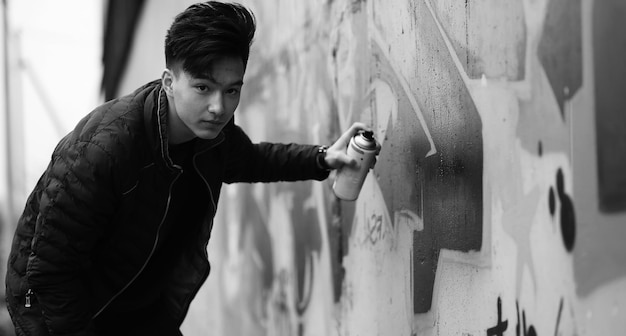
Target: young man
113,238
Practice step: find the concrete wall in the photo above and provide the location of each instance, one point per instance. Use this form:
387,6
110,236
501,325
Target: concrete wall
498,202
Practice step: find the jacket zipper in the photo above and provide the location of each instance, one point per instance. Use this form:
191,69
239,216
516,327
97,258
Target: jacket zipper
206,273
154,245
206,183
28,294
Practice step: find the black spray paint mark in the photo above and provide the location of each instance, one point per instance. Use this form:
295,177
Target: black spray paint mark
568,218
526,331
522,328
501,326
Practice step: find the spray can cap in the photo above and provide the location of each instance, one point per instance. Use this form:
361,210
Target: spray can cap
369,135
365,140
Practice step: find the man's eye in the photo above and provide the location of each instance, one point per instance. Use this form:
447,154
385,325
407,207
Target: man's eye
232,91
202,88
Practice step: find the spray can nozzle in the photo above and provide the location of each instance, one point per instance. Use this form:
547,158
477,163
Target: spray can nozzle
369,135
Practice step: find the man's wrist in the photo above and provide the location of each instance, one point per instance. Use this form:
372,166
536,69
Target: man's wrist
321,158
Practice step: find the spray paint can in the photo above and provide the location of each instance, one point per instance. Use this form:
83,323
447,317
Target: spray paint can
349,180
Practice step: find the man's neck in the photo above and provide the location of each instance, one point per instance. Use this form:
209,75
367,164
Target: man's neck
177,131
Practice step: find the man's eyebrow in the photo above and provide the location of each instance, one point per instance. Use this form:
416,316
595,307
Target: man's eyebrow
210,79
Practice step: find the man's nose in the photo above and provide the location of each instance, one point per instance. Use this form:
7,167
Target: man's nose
216,103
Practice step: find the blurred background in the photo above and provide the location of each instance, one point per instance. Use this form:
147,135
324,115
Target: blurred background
498,203
52,70
51,74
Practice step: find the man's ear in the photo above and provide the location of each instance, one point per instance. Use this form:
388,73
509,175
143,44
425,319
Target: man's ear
167,80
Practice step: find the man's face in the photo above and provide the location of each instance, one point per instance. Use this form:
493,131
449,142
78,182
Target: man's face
201,107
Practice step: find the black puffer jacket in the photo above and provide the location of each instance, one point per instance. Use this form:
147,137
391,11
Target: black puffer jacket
90,224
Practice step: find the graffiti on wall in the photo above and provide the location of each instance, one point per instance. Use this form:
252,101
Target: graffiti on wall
476,128
427,170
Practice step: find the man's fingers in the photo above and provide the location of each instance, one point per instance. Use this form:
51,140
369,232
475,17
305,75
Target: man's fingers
344,139
347,135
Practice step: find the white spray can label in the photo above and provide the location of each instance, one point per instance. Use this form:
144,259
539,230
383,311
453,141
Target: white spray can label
349,180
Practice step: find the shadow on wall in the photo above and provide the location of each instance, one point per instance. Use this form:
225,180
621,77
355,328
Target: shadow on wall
610,81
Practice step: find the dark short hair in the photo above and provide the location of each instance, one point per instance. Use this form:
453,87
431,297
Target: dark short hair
207,31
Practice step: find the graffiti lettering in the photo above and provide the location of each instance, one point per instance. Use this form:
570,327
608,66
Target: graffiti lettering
501,326
530,331
375,229
521,328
